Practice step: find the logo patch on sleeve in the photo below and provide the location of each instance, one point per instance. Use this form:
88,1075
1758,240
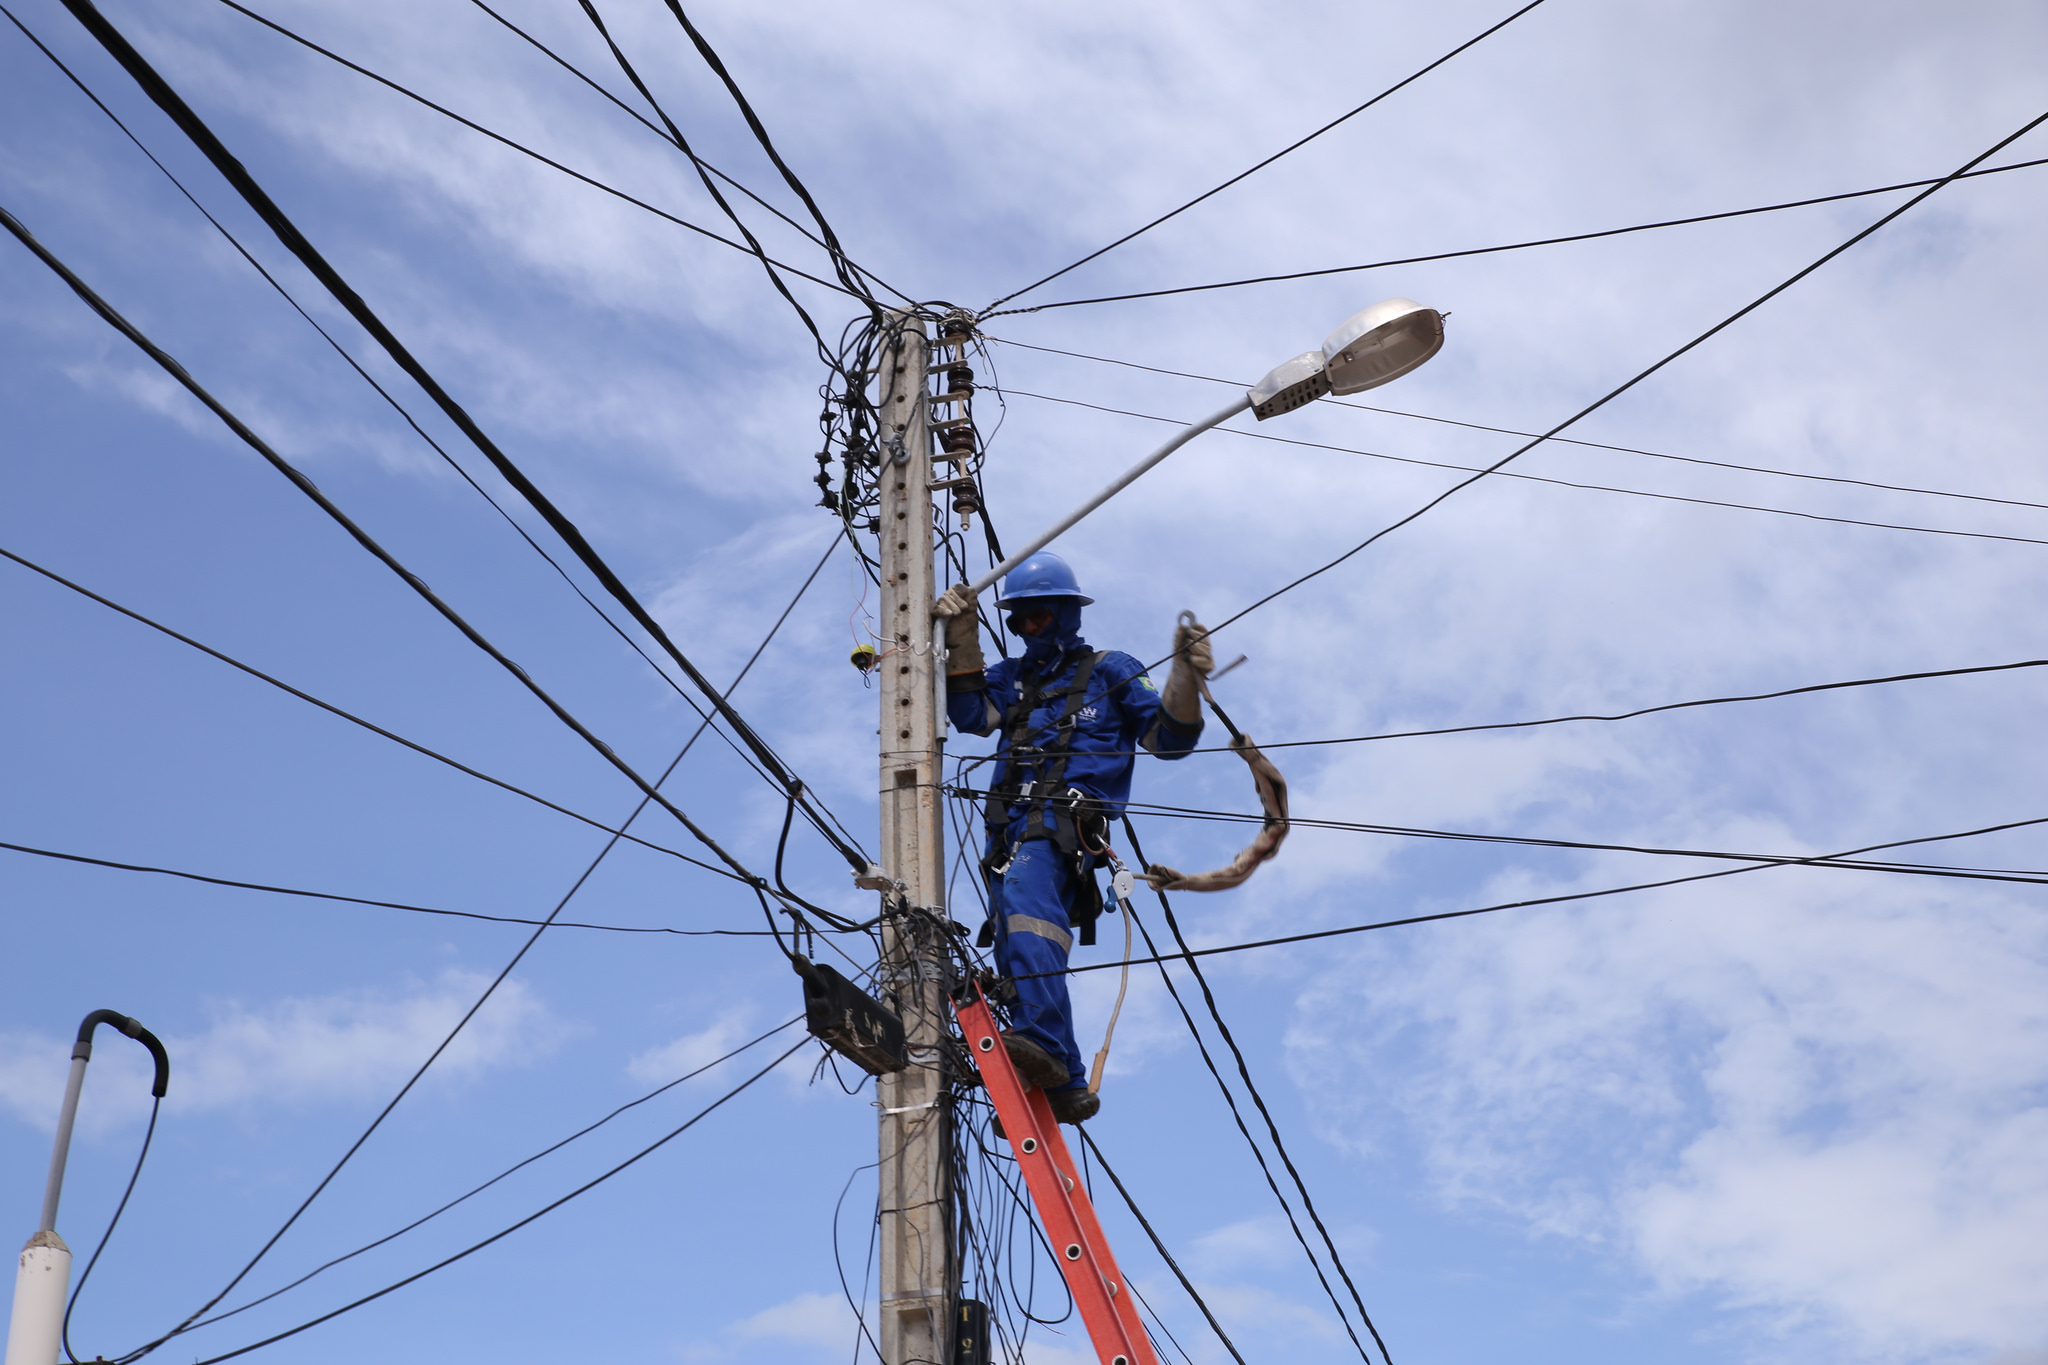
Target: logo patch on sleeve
1145,681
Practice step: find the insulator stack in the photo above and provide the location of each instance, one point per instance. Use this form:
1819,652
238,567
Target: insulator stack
953,413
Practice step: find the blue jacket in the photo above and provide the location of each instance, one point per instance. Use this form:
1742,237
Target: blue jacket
1120,713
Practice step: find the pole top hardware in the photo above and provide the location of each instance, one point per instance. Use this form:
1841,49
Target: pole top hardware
872,878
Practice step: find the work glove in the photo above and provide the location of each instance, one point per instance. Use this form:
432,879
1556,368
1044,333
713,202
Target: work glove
1193,661
963,630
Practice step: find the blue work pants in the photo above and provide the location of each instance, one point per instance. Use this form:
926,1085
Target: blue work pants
1034,932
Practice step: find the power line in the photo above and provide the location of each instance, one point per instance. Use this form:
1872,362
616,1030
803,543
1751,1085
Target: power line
362,537
1510,246
384,393
828,243
1624,387
1259,1101
496,1236
1293,146
167,99
849,274
509,1170
364,900
682,144
1556,482
1088,1141
526,151
1237,1117
1556,440
1315,935
1995,874
354,719
1614,716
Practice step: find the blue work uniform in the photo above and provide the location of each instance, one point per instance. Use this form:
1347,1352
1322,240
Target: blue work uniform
1033,883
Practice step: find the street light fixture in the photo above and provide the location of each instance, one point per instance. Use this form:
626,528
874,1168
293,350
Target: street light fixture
1372,348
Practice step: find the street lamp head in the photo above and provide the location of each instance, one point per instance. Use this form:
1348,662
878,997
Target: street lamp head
1290,385
1373,348
1381,344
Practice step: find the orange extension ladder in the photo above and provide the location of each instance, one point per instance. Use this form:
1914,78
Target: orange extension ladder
1108,1309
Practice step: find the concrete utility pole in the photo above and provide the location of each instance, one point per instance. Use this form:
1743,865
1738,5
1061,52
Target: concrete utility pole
919,1270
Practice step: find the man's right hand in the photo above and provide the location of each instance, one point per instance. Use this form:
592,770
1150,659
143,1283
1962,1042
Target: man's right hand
963,630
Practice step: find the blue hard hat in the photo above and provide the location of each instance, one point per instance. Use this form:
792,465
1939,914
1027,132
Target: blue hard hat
1045,574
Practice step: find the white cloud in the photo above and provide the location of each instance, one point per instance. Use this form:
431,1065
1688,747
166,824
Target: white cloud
810,1326
345,1046
692,1050
1818,1100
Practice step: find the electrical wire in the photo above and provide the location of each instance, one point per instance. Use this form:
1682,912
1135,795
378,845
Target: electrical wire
1574,719
354,719
386,395
682,144
1315,935
1088,1143
156,1104
168,100
526,151
1996,874
1241,175
849,274
362,537
363,900
1640,376
829,246
1556,440
1556,482
1259,1101
582,1189
1510,246
582,1132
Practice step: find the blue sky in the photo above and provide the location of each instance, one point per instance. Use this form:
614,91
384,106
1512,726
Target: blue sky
1790,1114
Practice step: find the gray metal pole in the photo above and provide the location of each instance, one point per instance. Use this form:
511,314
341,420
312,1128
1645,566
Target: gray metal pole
1123,481
919,1266
81,1053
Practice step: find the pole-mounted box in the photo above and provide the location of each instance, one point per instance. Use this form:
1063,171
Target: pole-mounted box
850,1021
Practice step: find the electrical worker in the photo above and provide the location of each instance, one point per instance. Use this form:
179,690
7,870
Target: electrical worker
1069,721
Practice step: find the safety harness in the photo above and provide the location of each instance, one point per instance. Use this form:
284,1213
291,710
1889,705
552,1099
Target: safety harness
1044,790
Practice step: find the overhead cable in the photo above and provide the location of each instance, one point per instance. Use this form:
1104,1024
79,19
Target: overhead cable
388,398
167,99
682,144
1291,147
1244,1131
849,274
1555,440
1088,1141
526,151
516,1166
362,537
828,242
156,1105
1618,715
1244,1074
1510,246
500,1235
1640,376
371,726
1316,935
1994,874
364,900
1546,479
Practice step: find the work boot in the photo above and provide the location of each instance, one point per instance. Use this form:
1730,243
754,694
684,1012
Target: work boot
1075,1106
1035,1066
